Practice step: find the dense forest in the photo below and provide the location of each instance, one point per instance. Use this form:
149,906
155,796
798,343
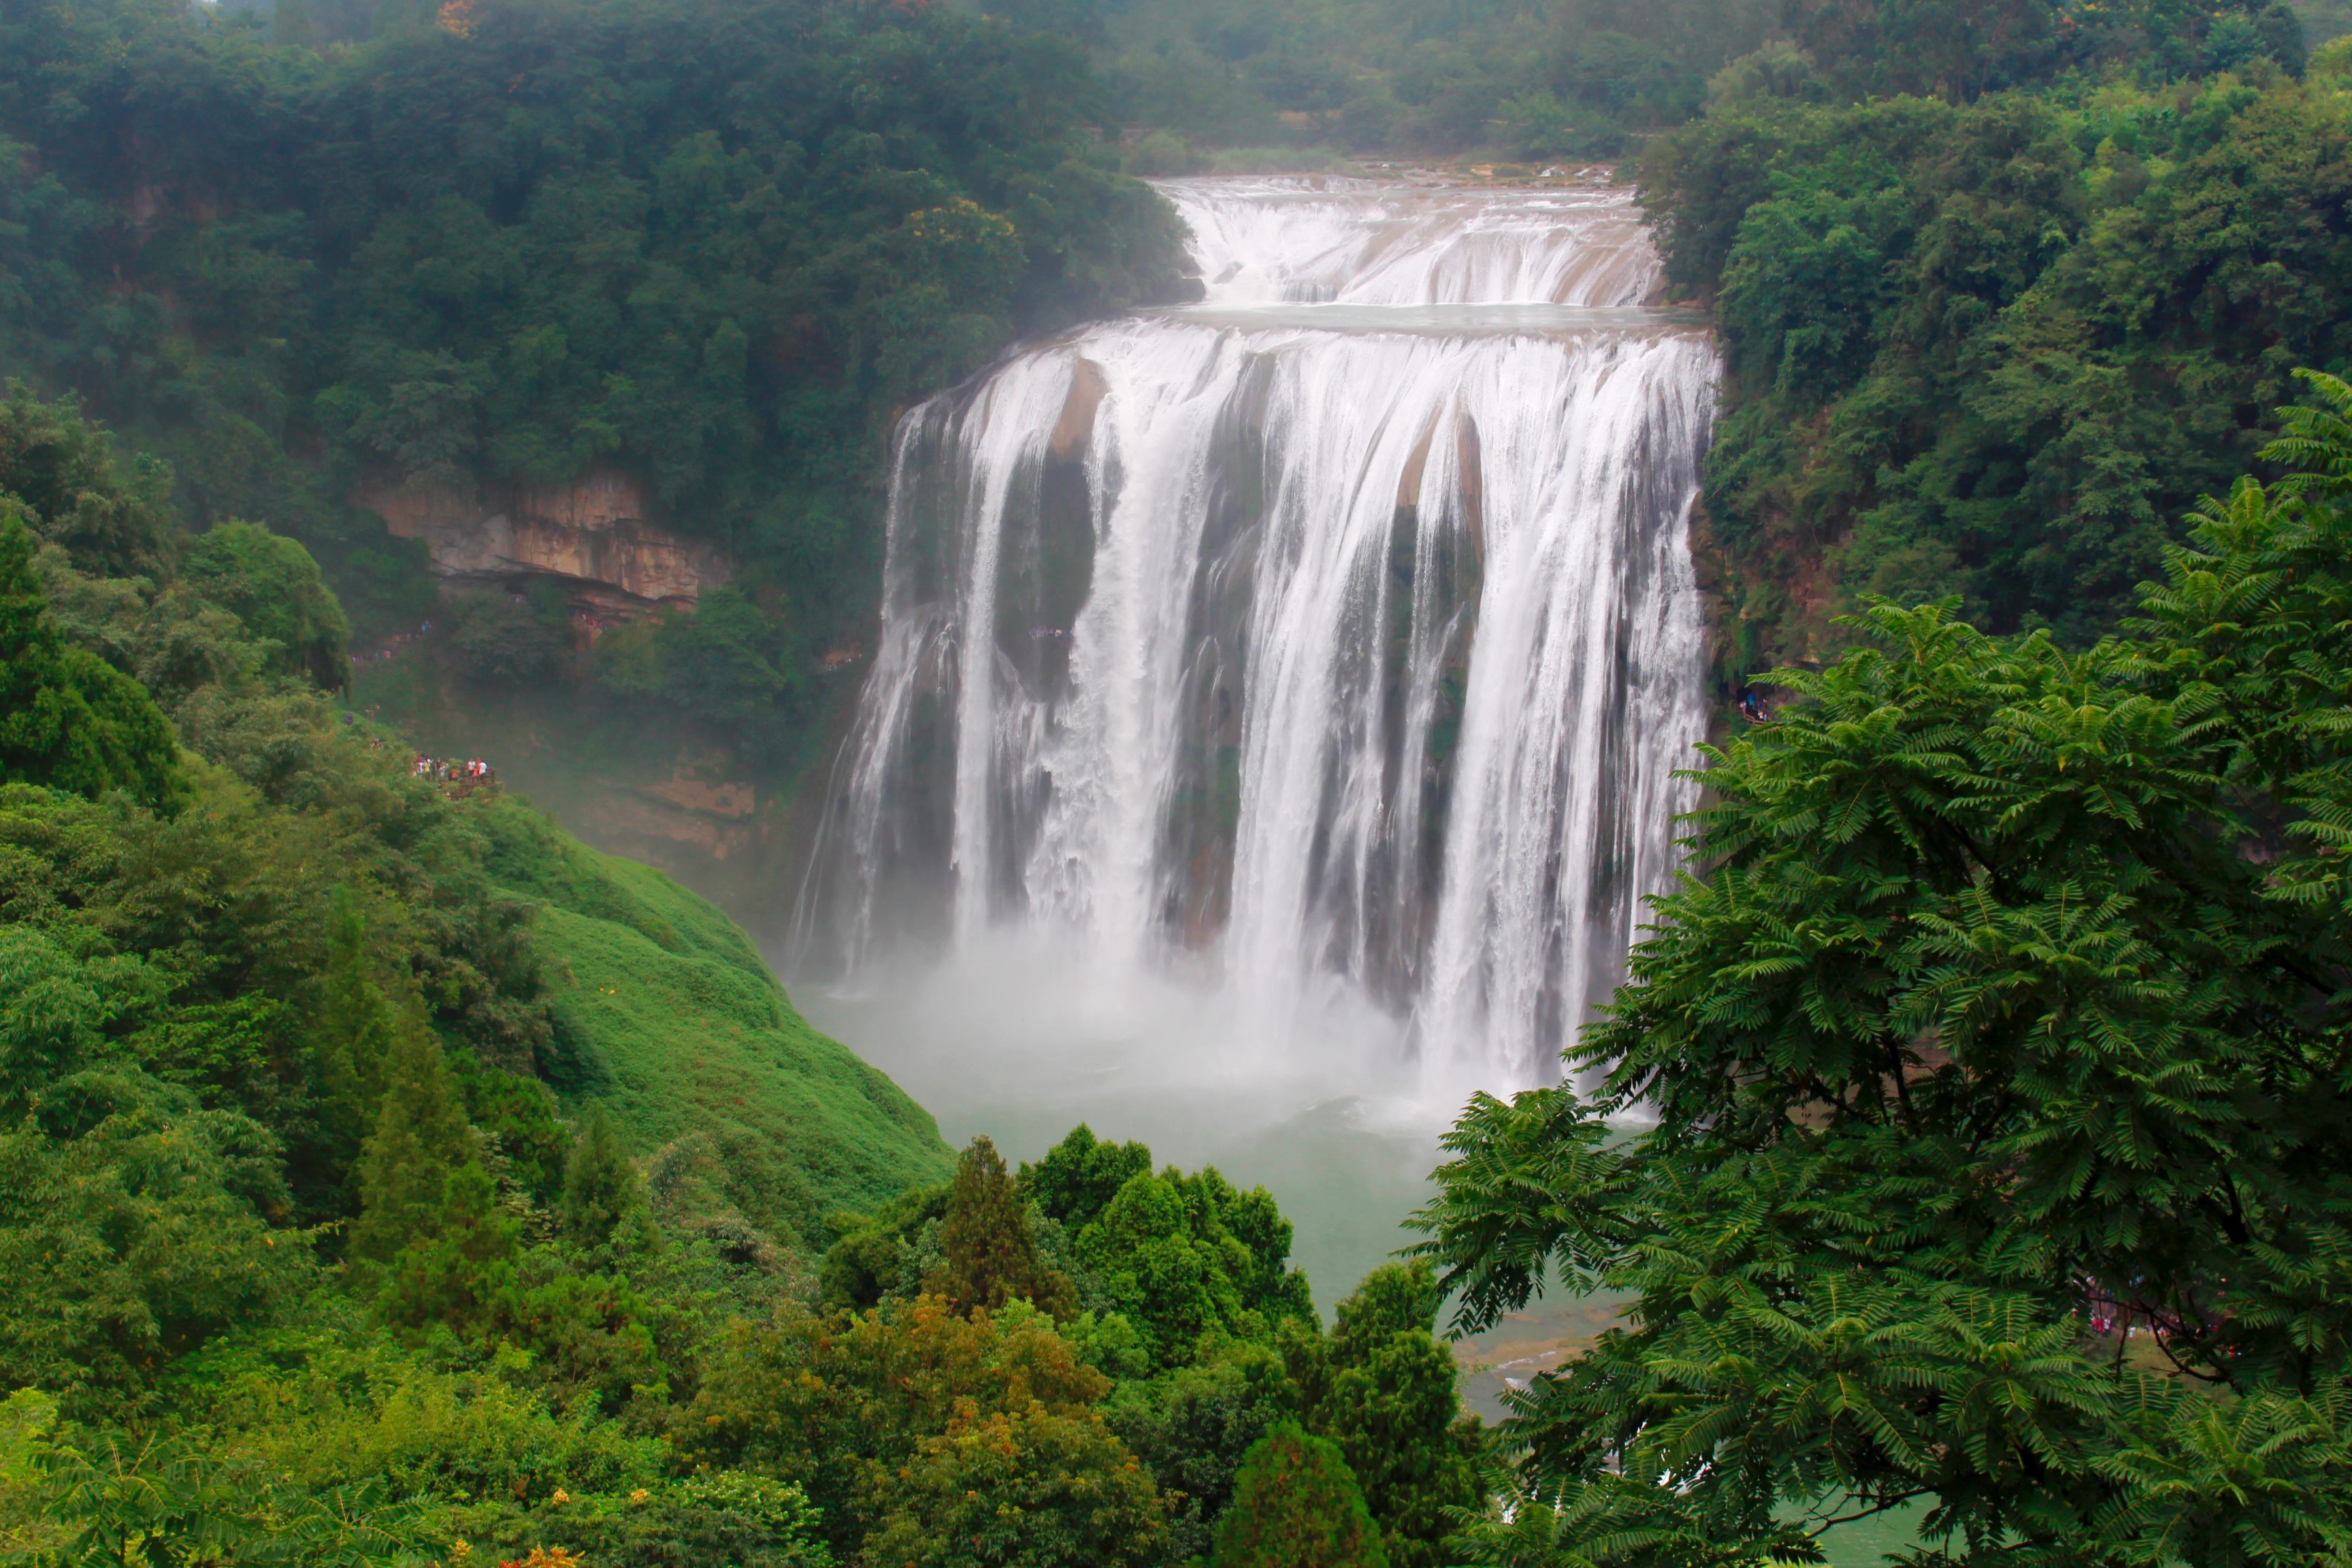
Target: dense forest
713,247
1998,347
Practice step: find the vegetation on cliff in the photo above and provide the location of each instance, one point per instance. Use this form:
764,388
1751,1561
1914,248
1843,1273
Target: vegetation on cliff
1999,346
474,250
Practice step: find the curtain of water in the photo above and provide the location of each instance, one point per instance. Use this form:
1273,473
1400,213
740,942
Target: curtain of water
1333,628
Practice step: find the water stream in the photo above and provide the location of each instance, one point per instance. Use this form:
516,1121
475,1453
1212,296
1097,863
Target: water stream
1273,730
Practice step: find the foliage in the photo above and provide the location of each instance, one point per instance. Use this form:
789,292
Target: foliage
1025,1487
420,1143
602,1191
133,1228
1179,1256
724,1516
888,1254
712,250
2006,1011
112,518
1382,1389
67,717
1555,77
167,1503
891,1418
987,1254
727,663
316,1011
1193,1425
1994,348
272,586
1296,1506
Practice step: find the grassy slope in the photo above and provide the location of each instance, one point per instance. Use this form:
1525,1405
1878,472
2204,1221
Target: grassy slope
667,1013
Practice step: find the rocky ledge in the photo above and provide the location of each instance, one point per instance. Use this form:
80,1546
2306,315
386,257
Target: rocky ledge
591,537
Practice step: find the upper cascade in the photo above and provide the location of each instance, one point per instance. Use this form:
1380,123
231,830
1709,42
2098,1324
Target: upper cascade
1317,240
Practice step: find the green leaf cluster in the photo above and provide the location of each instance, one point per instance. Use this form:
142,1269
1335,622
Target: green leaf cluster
1179,1256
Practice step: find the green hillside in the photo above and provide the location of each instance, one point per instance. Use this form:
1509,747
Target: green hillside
665,1013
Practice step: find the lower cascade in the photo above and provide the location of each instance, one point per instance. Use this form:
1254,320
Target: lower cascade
1338,630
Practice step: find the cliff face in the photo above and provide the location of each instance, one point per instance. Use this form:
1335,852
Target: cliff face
591,536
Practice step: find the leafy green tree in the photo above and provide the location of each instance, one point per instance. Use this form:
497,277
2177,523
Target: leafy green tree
452,1270
989,1255
420,1147
1192,1426
61,468
884,1253
67,719
356,1026
1026,1486
1979,1039
723,1516
1078,1177
1382,1388
1994,348
1179,1256
134,1228
602,1190
1296,1506
55,1011
270,583
892,1419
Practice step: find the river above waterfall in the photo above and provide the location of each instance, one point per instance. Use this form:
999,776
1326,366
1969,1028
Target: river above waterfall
1275,724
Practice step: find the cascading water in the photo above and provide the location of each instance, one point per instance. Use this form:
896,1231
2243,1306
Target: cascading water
1339,629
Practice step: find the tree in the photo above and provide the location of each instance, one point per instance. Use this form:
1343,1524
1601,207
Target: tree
601,1187
354,1031
882,1255
270,583
1382,1388
421,1143
1179,1256
1194,1426
1296,1506
132,1230
67,719
990,1256
62,470
850,1409
1027,1487
1079,1177
2006,1010
452,1270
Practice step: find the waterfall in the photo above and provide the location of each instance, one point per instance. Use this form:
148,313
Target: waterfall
1339,628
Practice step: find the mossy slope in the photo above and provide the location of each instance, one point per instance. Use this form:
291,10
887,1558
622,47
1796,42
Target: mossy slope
666,1012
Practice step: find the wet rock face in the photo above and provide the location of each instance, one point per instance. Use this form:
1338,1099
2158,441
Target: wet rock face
592,537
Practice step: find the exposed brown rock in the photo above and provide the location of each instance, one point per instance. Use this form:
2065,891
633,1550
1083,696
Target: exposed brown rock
729,799
591,536
658,832
1076,424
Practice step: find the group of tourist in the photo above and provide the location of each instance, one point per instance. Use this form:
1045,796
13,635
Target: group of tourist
442,770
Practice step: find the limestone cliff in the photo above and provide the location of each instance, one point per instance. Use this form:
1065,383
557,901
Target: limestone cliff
592,537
